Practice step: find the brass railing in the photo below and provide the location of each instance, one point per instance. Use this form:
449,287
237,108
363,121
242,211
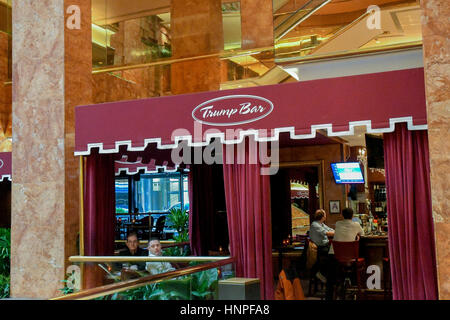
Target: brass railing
168,61
103,259
279,61
136,283
346,54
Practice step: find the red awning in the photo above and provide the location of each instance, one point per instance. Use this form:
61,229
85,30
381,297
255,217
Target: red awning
5,166
299,194
337,105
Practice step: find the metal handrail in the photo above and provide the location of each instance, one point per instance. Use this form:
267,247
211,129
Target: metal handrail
136,283
346,54
310,12
278,61
103,259
342,30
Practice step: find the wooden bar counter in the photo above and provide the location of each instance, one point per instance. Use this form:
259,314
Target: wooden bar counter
374,248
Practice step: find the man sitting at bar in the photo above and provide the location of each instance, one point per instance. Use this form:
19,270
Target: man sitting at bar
346,230
132,249
319,233
154,250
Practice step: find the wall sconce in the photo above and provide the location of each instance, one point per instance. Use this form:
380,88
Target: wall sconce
362,155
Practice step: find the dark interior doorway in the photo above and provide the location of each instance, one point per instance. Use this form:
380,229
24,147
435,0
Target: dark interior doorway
295,195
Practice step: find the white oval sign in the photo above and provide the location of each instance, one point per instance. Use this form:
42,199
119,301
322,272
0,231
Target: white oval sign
232,110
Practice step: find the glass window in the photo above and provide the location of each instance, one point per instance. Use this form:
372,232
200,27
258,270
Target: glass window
159,193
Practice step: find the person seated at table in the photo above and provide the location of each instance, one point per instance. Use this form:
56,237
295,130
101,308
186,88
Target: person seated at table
319,233
346,230
154,250
132,249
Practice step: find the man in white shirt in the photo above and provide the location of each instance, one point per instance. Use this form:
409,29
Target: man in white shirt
346,230
154,250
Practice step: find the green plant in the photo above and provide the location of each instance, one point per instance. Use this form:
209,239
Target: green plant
66,290
69,284
5,251
175,252
199,286
205,284
179,219
4,286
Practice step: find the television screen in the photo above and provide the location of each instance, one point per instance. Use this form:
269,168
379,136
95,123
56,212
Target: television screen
347,172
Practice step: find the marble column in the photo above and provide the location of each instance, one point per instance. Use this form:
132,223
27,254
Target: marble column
436,46
256,23
51,74
196,28
78,89
37,210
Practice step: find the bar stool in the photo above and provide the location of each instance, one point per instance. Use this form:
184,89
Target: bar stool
346,254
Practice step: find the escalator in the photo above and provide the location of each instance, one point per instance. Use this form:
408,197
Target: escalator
282,28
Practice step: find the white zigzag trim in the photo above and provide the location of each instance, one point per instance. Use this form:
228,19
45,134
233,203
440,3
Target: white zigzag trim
244,133
5,176
132,172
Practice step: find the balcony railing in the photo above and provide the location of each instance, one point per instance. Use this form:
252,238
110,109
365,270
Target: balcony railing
192,282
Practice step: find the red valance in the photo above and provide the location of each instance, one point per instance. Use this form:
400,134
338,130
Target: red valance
377,101
5,166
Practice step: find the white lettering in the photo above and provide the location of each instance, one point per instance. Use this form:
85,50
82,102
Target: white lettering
228,309
197,310
74,20
246,108
374,20
374,281
206,111
74,278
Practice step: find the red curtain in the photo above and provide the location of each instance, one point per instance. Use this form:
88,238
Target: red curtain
247,196
410,222
201,209
99,205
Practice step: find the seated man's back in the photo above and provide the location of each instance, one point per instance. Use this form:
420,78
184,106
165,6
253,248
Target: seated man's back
347,230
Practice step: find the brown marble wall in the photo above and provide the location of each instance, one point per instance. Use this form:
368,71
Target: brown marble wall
37,208
436,45
132,41
256,23
77,91
328,153
131,84
196,28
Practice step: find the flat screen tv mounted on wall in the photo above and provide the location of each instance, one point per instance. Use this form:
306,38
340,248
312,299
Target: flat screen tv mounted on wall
347,172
